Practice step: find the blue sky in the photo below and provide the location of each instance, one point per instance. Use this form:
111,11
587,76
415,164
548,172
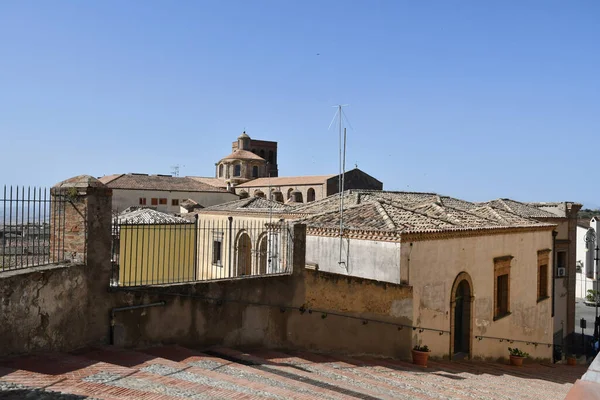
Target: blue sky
472,99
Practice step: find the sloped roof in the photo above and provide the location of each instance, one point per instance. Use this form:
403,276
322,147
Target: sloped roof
408,212
243,155
216,182
140,215
522,209
249,204
286,181
157,182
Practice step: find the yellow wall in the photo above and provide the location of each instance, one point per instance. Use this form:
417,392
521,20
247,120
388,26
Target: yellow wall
432,266
143,261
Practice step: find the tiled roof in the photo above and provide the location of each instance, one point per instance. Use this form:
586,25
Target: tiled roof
249,204
140,215
216,182
522,209
190,204
243,155
157,182
408,212
286,181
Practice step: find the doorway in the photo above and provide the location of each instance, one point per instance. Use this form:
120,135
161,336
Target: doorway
462,301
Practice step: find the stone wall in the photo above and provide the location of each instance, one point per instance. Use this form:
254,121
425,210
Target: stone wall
69,306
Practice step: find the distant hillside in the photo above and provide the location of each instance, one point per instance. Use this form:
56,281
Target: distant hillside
586,213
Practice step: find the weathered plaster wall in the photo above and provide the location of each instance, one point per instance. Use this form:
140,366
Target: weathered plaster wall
123,198
363,258
435,264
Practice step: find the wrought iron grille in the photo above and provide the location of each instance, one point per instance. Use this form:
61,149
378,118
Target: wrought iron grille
31,227
203,250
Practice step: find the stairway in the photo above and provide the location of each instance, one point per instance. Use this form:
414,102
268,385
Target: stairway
174,372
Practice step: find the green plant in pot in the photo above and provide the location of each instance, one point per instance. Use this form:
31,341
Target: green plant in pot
517,356
420,354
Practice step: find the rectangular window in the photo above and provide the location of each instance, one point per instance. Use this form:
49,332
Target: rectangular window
162,201
542,282
561,263
501,295
217,252
142,201
175,202
543,260
502,286
154,201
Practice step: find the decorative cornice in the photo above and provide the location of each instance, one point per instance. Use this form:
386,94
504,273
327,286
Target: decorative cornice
502,259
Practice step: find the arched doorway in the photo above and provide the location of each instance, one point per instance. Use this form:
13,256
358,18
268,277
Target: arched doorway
262,255
244,255
461,318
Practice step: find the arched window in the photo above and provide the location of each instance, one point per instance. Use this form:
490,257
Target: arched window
310,195
262,153
244,255
220,170
271,157
289,193
255,172
262,255
237,170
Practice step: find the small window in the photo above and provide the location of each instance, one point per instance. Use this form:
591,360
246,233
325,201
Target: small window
162,201
255,172
502,295
561,263
542,282
237,170
154,201
217,250
502,286
543,259
142,201
221,171
175,202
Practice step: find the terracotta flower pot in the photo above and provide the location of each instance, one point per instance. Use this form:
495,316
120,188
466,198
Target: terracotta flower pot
516,361
571,361
420,357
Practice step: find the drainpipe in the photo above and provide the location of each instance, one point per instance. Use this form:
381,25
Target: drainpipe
230,244
554,234
117,309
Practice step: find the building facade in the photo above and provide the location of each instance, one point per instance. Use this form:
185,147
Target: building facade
163,193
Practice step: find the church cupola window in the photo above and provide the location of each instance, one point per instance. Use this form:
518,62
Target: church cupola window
237,170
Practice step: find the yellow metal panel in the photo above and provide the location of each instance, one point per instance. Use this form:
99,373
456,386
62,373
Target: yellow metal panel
156,254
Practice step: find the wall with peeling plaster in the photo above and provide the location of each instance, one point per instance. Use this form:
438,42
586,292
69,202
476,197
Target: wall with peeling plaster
434,265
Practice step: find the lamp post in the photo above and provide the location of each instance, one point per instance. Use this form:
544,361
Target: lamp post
592,245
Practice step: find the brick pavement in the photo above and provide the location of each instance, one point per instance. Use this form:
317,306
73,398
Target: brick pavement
173,372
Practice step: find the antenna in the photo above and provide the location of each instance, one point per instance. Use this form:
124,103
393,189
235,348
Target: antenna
342,165
175,169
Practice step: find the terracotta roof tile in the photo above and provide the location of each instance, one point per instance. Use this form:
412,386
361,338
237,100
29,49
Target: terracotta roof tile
216,182
243,155
249,204
408,212
157,182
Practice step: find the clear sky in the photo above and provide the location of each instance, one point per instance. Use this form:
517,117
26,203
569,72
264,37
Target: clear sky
473,99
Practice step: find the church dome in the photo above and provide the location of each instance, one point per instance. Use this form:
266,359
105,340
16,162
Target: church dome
244,136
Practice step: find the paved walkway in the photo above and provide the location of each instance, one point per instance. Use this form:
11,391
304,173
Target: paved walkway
174,372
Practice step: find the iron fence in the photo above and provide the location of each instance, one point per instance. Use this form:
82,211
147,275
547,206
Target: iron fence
32,227
203,250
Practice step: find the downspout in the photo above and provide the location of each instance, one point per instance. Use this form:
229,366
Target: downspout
554,234
126,308
230,244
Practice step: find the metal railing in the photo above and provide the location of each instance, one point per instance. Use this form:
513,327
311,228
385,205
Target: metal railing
31,227
170,252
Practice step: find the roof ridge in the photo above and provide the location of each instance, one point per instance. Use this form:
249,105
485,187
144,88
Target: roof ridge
495,212
386,217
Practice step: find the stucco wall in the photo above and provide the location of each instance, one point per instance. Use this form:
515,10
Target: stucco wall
126,198
433,268
364,258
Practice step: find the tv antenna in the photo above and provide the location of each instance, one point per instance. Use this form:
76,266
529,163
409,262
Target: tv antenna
175,169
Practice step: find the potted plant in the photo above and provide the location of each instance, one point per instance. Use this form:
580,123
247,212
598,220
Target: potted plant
517,356
420,354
